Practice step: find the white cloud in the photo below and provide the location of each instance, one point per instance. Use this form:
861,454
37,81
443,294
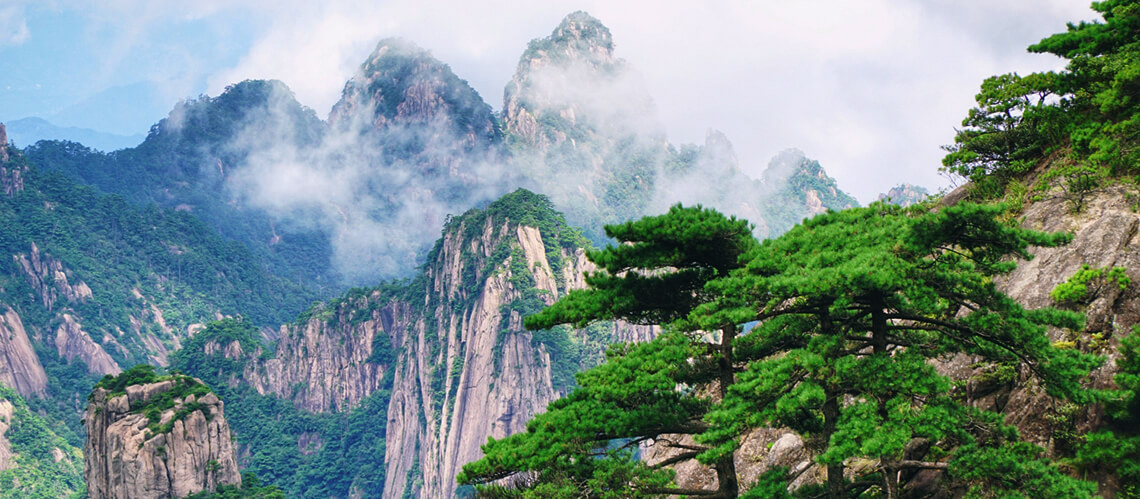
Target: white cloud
13,26
870,88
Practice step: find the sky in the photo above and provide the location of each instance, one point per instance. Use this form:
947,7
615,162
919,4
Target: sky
871,89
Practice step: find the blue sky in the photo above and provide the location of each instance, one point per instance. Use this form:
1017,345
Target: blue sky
869,88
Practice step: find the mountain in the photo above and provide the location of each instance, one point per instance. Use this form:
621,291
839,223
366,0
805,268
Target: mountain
188,159
34,460
905,194
346,202
199,249
442,358
582,128
90,284
153,437
28,131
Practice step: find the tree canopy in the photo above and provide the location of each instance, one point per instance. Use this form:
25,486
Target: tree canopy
852,306
1090,109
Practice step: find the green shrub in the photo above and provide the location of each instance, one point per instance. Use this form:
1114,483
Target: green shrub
1085,285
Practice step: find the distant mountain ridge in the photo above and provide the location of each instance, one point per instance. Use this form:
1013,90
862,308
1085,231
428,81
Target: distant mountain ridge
27,131
245,206
357,198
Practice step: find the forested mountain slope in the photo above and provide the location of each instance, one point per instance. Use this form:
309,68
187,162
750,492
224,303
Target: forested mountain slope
945,349
442,358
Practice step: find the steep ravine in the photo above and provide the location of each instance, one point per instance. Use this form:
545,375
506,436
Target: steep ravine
449,345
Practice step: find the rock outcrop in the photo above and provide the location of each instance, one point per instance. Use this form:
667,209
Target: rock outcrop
3,143
19,366
905,194
1105,234
71,342
11,178
50,280
449,348
170,452
7,411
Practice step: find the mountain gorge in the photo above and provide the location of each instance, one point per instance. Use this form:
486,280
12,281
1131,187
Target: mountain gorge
199,250
445,352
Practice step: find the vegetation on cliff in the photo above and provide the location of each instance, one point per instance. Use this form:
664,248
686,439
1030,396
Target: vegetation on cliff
44,465
1088,114
852,306
143,275
345,451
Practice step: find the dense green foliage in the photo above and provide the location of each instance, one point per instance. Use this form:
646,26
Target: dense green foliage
37,473
1116,449
183,163
1089,109
68,382
656,274
168,256
852,306
1086,284
345,451
635,281
251,488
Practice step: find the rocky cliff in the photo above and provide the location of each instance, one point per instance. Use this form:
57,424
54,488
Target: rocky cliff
166,438
470,371
19,366
905,195
446,350
34,460
3,143
1105,234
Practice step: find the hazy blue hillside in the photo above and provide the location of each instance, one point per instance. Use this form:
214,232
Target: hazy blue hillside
27,131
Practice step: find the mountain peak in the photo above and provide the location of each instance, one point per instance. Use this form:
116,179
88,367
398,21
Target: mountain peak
579,37
403,83
394,47
581,26
905,194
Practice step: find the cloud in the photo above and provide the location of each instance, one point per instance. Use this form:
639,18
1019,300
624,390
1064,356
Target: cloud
871,89
379,194
13,26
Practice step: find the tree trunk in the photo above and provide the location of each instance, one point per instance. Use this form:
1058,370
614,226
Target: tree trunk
726,467
878,325
879,342
835,483
891,478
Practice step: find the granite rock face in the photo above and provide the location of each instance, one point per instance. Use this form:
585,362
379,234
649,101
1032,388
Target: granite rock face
451,350
19,366
126,459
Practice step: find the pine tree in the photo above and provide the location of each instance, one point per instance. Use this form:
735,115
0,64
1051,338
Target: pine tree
854,305
657,275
